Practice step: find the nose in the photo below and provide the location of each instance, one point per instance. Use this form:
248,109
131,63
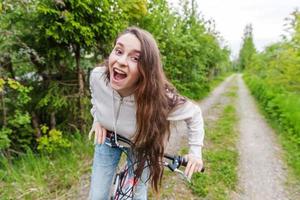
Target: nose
123,60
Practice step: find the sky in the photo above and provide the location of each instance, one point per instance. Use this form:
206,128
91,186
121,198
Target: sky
231,16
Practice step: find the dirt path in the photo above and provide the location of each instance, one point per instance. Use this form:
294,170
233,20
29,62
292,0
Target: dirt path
261,170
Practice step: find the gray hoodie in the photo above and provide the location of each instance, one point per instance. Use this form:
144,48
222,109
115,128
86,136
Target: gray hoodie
116,113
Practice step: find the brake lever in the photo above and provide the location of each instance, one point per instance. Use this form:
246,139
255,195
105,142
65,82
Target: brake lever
175,169
183,175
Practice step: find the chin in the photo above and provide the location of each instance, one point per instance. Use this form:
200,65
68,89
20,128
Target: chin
115,86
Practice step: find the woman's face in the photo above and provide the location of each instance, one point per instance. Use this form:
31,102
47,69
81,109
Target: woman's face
123,64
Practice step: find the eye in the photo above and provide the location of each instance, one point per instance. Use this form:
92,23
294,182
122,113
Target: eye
118,51
135,58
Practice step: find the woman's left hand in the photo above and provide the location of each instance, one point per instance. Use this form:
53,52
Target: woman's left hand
194,165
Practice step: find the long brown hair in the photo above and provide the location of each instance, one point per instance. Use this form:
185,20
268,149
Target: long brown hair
155,97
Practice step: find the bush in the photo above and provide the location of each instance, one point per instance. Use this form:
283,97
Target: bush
52,140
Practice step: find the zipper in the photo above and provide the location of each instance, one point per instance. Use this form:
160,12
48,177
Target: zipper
118,110
116,117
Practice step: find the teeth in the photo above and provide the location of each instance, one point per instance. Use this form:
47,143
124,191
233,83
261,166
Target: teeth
119,71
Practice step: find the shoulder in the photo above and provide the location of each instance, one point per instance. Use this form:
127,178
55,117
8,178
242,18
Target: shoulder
98,76
98,73
99,70
189,106
174,98
184,111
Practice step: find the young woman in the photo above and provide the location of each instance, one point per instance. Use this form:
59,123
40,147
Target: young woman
132,97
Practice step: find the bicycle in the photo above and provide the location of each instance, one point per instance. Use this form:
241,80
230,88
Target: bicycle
125,181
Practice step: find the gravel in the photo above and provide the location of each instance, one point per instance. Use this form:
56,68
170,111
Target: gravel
262,174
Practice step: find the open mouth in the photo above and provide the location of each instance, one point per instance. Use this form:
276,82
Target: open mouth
118,74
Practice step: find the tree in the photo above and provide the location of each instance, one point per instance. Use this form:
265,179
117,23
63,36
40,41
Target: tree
248,49
51,46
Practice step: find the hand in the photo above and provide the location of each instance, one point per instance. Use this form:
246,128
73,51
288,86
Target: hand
195,164
100,133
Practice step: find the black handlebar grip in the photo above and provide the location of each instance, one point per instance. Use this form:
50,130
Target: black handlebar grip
184,161
203,169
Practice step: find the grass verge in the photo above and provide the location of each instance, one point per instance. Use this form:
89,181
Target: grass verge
221,159
40,176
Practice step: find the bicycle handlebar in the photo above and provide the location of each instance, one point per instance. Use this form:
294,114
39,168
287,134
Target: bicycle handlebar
177,161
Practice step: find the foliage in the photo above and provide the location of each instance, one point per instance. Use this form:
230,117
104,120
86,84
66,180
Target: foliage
46,44
83,24
16,131
191,54
52,140
4,137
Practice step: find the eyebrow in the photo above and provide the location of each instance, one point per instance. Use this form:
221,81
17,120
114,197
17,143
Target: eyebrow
122,45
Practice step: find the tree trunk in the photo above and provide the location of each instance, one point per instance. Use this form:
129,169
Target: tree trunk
52,120
80,75
36,125
7,65
3,109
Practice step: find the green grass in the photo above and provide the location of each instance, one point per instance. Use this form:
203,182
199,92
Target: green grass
41,176
221,159
232,93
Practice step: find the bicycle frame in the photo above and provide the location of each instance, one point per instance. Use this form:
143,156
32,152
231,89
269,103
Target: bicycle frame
124,180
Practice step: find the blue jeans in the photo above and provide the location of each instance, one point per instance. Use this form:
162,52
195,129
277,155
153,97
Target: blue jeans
105,162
